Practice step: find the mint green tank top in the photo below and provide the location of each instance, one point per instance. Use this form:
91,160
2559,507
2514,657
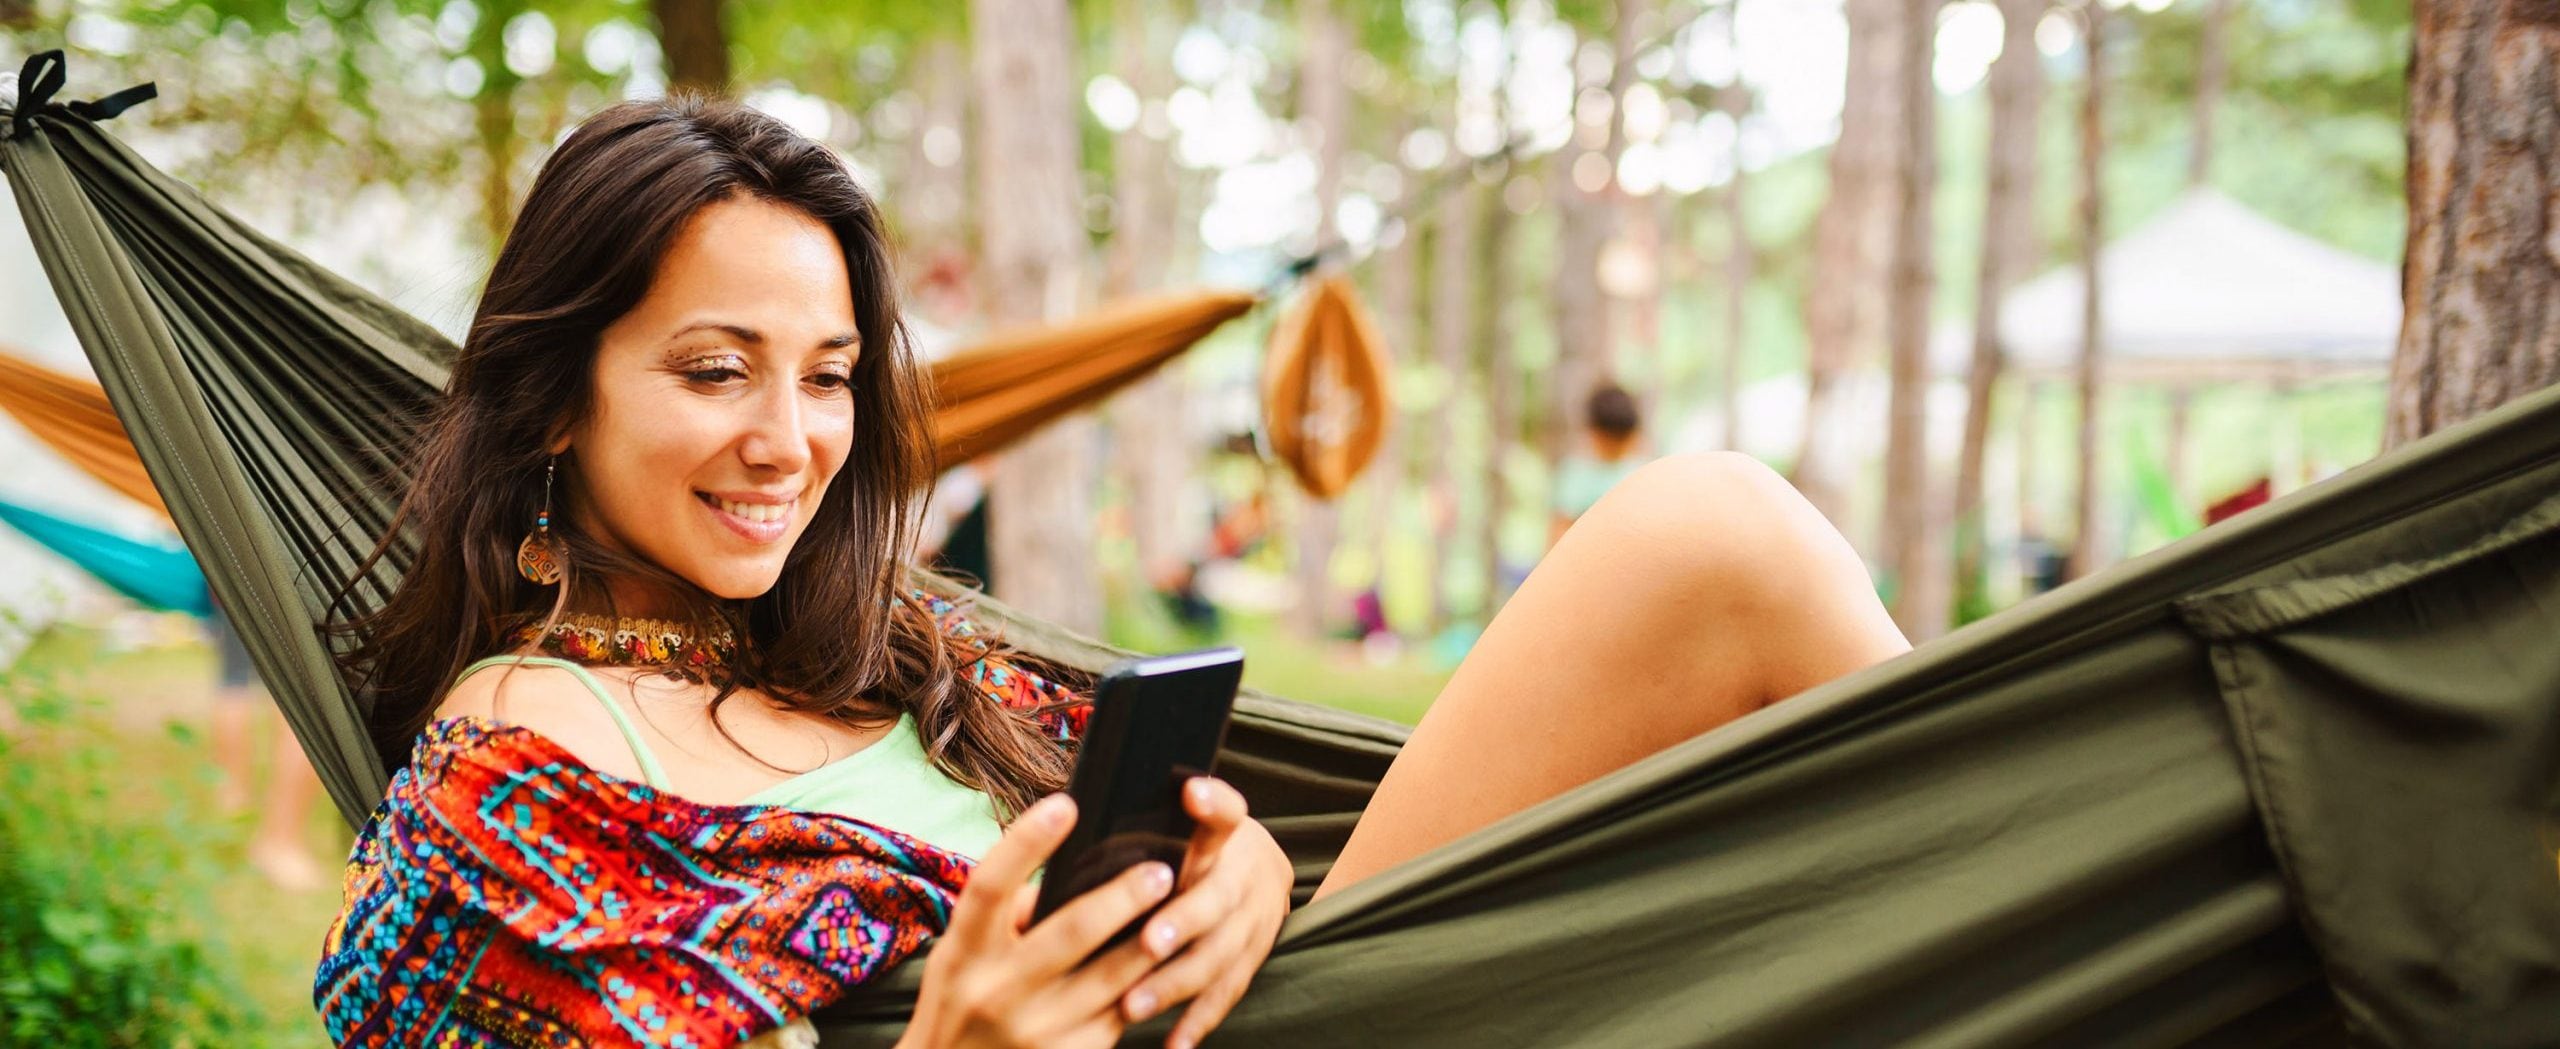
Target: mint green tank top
890,783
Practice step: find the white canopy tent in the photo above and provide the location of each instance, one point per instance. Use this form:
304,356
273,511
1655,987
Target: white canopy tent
2207,291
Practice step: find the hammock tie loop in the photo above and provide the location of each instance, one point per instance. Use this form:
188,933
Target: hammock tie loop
43,77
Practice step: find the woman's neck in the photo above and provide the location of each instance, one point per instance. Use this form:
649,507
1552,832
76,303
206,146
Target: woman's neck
637,599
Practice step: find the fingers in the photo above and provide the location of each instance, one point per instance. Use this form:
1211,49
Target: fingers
1216,810
1205,905
1213,803
1073,933
1210,1009
987,905
1219,949
1097,986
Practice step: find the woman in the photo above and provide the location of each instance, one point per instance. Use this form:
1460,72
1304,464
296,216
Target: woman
680,756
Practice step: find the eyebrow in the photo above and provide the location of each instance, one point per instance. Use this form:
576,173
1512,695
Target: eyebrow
752,337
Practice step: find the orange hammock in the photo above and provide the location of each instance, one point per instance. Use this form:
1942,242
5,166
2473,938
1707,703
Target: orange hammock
70,414
987,397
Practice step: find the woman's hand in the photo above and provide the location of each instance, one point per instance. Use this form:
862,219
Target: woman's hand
1235,891
996,980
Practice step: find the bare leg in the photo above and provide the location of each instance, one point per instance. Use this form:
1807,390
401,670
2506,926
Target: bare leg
1700,589
278,847
231,750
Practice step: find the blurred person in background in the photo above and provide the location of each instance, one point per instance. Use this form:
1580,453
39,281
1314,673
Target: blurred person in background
241,706
1612,429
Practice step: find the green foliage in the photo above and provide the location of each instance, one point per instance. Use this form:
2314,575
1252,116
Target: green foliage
102,936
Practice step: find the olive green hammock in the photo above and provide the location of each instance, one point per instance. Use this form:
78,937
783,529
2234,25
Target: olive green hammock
2294,776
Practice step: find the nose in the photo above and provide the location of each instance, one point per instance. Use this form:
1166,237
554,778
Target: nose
777,431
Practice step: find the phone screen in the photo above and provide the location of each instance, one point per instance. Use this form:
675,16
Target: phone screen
1156,723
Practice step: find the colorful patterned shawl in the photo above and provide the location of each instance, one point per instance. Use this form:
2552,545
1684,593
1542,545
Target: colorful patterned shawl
505,894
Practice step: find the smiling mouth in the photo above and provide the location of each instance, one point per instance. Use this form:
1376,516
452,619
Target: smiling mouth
762,522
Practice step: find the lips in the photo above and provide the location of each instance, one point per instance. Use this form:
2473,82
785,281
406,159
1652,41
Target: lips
761,522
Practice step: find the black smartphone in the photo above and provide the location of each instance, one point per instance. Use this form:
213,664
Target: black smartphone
1157,722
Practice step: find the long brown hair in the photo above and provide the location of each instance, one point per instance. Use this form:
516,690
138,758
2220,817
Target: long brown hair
839,633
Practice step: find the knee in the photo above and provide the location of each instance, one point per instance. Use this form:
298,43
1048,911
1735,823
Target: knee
1696,497
1724,520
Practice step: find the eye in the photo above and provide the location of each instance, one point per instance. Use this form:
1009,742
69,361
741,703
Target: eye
715,375
831,382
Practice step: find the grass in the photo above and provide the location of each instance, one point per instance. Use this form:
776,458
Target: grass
129,727
1334,673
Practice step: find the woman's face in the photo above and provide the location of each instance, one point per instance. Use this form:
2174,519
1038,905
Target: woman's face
723,401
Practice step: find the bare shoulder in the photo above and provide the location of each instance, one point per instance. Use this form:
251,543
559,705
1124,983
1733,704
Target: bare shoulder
552,701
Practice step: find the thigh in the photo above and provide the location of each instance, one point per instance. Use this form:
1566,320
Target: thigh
1699,590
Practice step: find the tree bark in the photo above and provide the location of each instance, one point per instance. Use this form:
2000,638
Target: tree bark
1455,272
1150,422
1640,222
932,193
1325,102
494,118
2482,278
1911,558
1738,262
1844,322
2008,253
695,44
2085,523
2211,64
1502,379
1040,514
1399,285
1586,323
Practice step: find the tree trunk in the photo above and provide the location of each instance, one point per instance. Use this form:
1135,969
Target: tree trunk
2211,62
695,44
1844,322
1641,220
1152,437
2482,321
1912,557
1586,325
2093,184
932,190
1455,272
494,117
1030,208
2008,253
1399,285
1325,102
2182,403
1736,98
1502,378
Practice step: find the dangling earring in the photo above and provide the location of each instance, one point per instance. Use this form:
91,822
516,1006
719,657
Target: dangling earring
541,555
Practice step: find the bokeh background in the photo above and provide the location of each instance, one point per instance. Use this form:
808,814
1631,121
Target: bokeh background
1851,238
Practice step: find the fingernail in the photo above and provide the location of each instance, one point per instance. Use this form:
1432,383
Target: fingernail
1051,809
1159,877
1160,937
1140,1005
1179,1041
1199,789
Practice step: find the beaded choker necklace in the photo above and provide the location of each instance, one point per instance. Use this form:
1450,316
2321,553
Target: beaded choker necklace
622,641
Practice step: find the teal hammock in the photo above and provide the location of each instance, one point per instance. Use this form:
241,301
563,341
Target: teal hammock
163,576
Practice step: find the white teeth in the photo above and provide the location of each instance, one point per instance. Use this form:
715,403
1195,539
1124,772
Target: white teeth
759,512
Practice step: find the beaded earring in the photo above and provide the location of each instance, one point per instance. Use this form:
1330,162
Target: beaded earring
541,555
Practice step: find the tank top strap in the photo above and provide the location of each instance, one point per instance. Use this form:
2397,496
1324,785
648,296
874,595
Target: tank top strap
649,767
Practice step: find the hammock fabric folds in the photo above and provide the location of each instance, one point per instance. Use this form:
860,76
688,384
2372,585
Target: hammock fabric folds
2288,778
